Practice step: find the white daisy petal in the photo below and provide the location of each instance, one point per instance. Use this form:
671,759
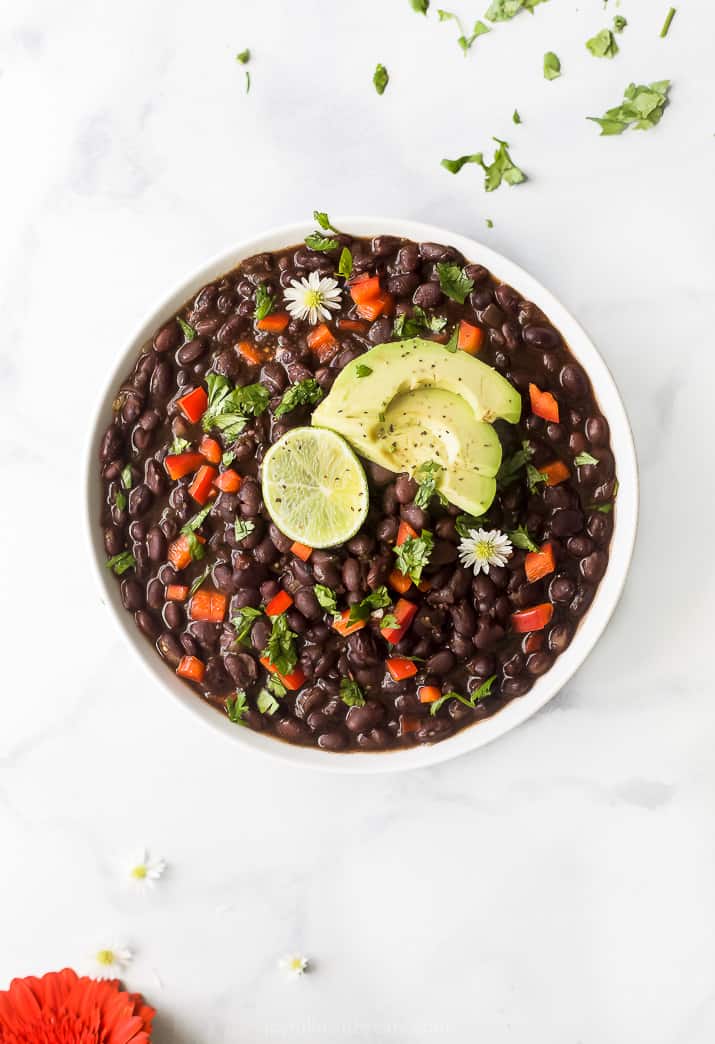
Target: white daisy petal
294,964
482,548
143,871
312,298
112,960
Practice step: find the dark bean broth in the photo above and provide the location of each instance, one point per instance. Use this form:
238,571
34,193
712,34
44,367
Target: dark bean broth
461,634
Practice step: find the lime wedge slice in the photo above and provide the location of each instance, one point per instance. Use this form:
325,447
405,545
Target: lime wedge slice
314,487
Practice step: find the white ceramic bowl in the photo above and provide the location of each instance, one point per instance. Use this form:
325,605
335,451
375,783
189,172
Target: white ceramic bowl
160,675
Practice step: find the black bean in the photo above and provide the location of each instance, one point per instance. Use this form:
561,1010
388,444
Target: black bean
597,430
407,258
242,668
579,546
189,644
593,566
559,637
403,285
512,687
146,623
169,648
132,407
566,522
274,377
168,338
512,335
306,602
562,589
582,599
260,632
538,663
156,544
573,381
541,337
269,589
113,540
361,545
599,526
161,380
387,530
139,500
132,594
141,438
250,497
379,475
464,619
292,730
352,577
508,298
483,665
245,597
428,295
440,663
379,332
481,298
192,351
112,444
417,517
155,594
514,665
493,316
174,615
434,251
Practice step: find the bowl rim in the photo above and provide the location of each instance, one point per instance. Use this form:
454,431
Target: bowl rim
591,625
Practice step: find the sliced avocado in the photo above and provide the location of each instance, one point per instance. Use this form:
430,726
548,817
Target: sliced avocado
434,425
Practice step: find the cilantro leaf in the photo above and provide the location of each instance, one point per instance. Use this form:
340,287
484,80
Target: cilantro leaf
534,478
413,555
454,166
121,562
552,66
666,24
243,57
243,528
453,281
605,509
227,458
468,701
511,466
603,44
361,370
619,23
345,264
236,707
120,500
427,476
125,477
305,392
266,702
502,167
197,520
380,78
516,118
326,599
388,622
324,221
412,326
280,650
489,223
453,342
584,458
187,330
179,445
317,241
464,523
464,41
199,580
265,303
642,108
503,10
243,622
377,599
276,686
248,81
229,408
420,6
351,693
520,538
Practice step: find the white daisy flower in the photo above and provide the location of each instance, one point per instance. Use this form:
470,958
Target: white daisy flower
294,964
313,298
143,871
113,960
482,548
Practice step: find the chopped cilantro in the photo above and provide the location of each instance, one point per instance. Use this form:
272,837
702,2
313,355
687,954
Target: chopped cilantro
236,707
464,523
534,478
361,370
276,686
490,223
641,109
121,562
243,622
199,580
126,477
502,167
413,555
266,702
187,330
412,326
380,78
468,701
464,41
120,500
603,44
516,118
351,693
179,445
377,599
229,408
243,528
453,342
265,303
427,475
345,264
619,23
420,6
520,538
584,458
503,10
453,281
317,241
552,66
388,622
324,221
326,598
666,24
227,458
511,466
197,520
280,650
305,392
243,57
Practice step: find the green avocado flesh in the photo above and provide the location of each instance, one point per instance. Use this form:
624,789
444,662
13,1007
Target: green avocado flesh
423,403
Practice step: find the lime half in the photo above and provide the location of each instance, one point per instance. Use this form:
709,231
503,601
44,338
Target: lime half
314,487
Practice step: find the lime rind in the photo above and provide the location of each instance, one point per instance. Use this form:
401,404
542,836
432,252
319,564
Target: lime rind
314,487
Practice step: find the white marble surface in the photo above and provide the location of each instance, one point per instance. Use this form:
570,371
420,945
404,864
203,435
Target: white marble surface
555,887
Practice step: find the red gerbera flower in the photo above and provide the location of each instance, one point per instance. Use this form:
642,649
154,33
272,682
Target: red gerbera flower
61,1008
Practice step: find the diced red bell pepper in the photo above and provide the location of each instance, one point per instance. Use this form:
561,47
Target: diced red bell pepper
429,693
229,481
403,612
276,322
342,626
400,668
210,449
202,483
555,472
193,404
383,304
321,341
399,582
192,668
469,338
533,619
208,605
250,353
179,551
180,464
355,325
176,593
364,288
404,532
292,681
279,603
543,404
301,551
538,564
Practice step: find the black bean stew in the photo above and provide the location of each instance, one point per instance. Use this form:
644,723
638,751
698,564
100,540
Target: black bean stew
198,559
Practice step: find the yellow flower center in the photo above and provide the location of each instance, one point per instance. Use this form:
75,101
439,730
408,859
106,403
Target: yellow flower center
313,298
139,872
484,549
105,957
296,964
